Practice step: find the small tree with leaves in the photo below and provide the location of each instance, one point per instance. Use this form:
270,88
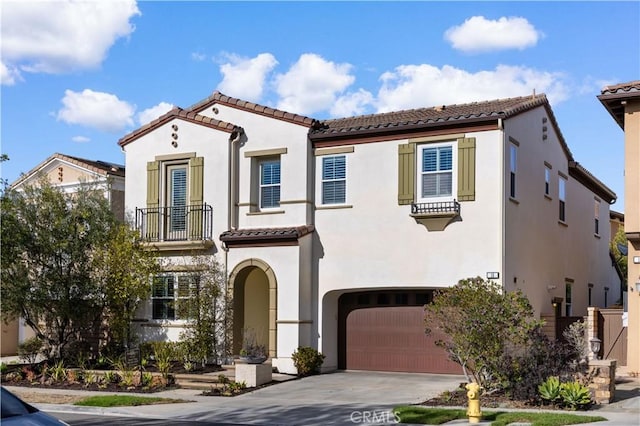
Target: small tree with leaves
49,242
481,323
123,268
207,310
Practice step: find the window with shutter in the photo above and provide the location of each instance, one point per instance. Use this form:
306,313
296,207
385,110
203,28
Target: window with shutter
334,180
436,178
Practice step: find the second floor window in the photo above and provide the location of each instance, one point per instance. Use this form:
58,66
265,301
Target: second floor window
547,180
512,170
334,180
436,171
562,183
596,218
177,196
270,184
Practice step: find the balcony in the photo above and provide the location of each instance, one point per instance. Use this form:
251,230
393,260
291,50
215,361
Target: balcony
435,216
181,227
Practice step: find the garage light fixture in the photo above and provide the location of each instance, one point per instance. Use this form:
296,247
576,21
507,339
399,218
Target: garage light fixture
493,275
636,259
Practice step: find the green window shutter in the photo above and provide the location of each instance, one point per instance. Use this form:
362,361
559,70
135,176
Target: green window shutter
196,198
406,173
153,201
466,169
196,166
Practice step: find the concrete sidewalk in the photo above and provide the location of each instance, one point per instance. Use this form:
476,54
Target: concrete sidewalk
341,398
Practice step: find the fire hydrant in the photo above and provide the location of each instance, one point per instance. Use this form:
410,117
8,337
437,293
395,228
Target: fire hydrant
473,394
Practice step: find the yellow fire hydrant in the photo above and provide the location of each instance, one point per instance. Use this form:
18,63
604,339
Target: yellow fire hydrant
473,394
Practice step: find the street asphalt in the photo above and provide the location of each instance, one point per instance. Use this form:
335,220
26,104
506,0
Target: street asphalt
341,398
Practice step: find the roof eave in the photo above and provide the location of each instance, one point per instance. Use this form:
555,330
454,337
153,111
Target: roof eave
409,128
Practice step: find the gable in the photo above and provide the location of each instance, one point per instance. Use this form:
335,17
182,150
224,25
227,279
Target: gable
64,170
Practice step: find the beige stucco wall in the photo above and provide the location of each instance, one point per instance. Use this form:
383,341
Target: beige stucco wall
8,338
541,252
632,224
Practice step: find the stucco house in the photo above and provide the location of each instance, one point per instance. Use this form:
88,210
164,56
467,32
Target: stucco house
67,172
335,233
622,101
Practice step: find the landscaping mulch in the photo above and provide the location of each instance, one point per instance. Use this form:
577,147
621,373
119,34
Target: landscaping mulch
458,398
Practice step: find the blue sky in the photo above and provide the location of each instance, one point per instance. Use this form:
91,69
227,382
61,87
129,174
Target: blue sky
77,76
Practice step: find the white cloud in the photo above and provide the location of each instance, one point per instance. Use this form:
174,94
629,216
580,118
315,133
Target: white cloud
154,112
355,103
416,86
478,34
80,139
62,35
103,111
245,77
312,84
8,75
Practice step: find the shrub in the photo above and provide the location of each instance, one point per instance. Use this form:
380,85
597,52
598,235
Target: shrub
111,377
307,360
58,372
146,379
482,323
29,349
3,368
90,378
549,390
575,395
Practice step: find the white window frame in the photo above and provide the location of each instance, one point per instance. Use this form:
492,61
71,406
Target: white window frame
454,171
261,185
175,295
168,200
513,169
596,218
562,195
547,181
333,179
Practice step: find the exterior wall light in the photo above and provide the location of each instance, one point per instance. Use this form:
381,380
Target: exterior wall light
636,259
595,344
493,275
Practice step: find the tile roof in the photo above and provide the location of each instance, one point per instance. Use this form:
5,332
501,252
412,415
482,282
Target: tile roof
102,168
183,114
265,235
220,98
584,176
632,86
427,117
613,97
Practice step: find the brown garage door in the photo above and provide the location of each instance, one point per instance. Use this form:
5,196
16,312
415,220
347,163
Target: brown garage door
392,339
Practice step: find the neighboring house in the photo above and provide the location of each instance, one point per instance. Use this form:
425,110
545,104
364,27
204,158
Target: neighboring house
68,173
623,103
335,234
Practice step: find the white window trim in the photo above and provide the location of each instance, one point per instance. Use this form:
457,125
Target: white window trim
176,296
513,170
345,179
262,161
454,172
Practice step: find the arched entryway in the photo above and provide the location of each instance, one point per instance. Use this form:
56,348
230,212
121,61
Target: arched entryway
253,287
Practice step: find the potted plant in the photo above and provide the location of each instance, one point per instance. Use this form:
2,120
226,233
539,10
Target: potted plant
252,352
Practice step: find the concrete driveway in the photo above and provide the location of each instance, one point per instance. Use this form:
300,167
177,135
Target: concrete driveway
341,398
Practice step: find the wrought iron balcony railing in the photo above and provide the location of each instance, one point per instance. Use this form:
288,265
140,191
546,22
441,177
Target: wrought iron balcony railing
183,223
436,207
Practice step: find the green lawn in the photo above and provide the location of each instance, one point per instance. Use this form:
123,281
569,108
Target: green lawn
124,401
436,416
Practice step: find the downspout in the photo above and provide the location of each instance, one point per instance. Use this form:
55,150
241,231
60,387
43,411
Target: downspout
235,137
503,213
